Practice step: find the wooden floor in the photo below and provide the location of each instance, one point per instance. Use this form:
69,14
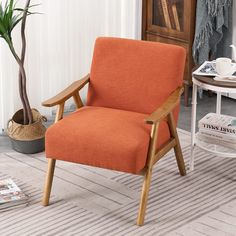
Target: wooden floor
91,201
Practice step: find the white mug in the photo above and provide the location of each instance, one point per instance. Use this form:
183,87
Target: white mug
224,67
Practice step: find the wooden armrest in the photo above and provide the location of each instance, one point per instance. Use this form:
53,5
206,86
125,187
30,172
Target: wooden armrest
166,107
67,93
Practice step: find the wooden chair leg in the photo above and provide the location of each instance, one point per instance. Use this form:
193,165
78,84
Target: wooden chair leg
52,162
177,148
144,197
180,159
48,182
147,175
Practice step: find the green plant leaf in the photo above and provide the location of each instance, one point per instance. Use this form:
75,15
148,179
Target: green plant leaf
2,28
11,16
15,22
1,10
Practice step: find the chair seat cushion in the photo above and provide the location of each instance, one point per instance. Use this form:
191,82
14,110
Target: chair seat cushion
103,137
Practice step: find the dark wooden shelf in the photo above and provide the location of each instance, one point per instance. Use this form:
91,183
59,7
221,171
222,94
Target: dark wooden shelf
173,22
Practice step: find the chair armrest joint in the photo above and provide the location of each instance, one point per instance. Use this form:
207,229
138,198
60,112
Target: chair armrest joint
161,112
67,93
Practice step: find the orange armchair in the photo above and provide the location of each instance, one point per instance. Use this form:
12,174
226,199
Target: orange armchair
128,123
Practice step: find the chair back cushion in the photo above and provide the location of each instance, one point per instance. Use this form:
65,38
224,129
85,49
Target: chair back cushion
134,75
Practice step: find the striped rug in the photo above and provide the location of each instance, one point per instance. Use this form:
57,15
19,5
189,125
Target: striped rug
105,203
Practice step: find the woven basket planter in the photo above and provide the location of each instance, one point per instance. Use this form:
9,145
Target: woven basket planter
27,139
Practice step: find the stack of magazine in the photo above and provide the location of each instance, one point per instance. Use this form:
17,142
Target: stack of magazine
218,129
11,195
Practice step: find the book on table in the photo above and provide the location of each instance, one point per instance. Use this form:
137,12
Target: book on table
11,195
218,128
208,68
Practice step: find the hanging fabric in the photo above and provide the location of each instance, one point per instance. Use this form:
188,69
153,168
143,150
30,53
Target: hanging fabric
213,33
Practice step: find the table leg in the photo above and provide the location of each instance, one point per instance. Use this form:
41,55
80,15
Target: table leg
193,126
218,103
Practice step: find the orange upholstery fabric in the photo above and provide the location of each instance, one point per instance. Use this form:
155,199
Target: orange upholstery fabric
129,80
103,137
134,75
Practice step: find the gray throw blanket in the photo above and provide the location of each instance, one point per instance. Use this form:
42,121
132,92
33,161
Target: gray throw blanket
213,33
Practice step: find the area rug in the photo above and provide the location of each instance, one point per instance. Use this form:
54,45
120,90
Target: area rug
91,201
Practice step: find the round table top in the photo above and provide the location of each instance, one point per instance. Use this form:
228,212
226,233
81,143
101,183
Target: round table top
209,80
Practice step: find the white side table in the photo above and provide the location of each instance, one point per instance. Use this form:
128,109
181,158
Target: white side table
219,87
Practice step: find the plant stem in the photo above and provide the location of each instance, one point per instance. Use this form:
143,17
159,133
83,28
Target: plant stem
22,98
25,116
27,109
23,77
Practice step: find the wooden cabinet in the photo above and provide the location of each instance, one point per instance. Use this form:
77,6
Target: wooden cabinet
171,21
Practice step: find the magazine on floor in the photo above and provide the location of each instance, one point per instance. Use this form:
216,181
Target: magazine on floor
11,195
208,69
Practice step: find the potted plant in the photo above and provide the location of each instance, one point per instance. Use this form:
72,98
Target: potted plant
25,129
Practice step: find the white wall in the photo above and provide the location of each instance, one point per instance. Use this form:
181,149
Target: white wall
60,45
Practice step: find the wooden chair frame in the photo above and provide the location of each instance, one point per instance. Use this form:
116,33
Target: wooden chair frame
163,112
